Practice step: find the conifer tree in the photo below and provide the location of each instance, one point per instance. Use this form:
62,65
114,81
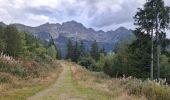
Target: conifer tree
76,52
95,51
2,42
13,41
152,20
82,49
70,50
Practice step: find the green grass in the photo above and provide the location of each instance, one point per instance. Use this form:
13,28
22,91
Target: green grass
71,89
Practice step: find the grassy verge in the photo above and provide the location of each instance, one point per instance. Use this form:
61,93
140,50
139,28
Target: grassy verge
22,89
91,93
112,88
152,90
126,88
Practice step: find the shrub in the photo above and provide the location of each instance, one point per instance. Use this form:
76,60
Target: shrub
10,65
152,90
20,72
88,62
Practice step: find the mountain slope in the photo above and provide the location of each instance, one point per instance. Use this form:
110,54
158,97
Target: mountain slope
75,31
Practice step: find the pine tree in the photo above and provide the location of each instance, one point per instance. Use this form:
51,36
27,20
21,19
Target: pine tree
58,56
102,51
58,51
75,52
2,42
13,41
139,54
153,19
82,49
95,51
161,20
70,50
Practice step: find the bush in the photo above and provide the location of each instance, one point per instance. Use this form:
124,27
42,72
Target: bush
51,51
151,89
88,62
20,72
10,65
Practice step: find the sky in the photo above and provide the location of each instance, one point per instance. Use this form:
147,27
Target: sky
97,14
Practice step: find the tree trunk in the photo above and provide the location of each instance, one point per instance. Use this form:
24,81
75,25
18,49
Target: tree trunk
151,68
158,48
158,62
158,55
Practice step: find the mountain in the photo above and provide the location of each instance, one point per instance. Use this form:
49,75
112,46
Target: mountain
2,24
75,31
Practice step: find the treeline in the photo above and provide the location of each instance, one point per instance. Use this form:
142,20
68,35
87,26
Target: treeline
17,44
147,56
129,59
22,54
76,52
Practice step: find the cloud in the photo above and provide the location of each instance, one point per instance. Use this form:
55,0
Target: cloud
99,14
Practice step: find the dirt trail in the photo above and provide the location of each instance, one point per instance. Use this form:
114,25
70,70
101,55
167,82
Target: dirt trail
65,88
53,89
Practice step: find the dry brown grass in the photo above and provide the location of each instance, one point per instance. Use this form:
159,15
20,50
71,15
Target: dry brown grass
25,87
101,82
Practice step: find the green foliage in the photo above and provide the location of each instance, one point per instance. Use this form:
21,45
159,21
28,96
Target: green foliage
2,42
118,64
70,50
24,45
58,55
139,54
100,63
12,40
75,51
82,49
20,72
55,49
95,51
108,64
52,52
88,62
26,48
152,20
9,65
165,67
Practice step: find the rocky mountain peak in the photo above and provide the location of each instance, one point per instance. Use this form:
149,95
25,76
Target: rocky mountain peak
77,31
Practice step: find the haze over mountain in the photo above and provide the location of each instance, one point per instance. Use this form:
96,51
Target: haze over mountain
75,31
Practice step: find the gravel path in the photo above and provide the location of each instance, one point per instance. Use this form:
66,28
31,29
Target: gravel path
53,89
65,88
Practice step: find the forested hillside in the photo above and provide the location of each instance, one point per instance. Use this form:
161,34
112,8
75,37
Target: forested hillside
76,32
25,62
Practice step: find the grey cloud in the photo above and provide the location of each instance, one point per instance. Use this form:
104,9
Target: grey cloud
109,17
40,10
92,13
